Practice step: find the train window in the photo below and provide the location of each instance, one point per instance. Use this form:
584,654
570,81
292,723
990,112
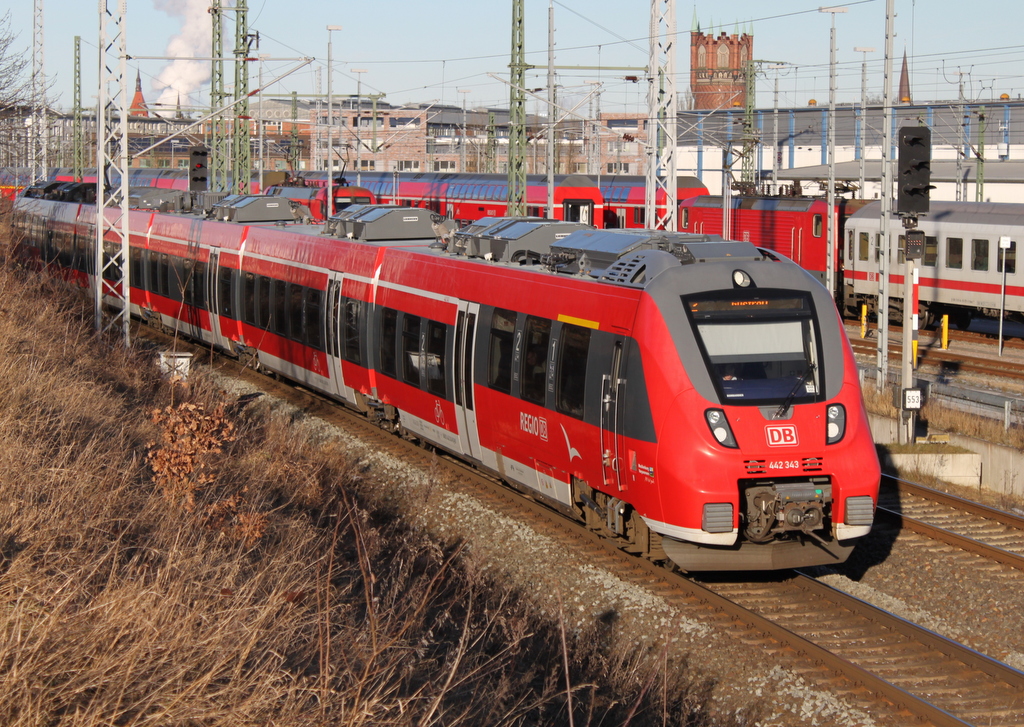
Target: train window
152,271
763,354
314,319
1010,254
176,282
353,310
979,255
197,283
279,319
295,295
263,302
901,250
816,225
467,363
411,361
437,338
865,244
388,331
639,215
684,218
534,372
931,251
136,266
849,245
954,253
225,289
249,298
572,370
499,364
164,276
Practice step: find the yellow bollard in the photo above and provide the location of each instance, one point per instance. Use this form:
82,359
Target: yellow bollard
945,332
863,320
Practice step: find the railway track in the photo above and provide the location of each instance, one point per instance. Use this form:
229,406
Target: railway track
993,534
861,652
946,361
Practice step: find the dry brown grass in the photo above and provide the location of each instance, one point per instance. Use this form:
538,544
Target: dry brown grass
168,557
938,418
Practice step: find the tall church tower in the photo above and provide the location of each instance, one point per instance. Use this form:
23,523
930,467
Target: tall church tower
138,107
718,68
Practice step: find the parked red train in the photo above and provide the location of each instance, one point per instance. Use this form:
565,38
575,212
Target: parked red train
793,226
616,201
693,398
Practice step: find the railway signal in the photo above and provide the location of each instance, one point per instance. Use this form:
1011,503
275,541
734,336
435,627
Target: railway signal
915,170
197,176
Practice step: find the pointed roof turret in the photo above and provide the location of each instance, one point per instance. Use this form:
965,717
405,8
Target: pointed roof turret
904,97
177,111
138,107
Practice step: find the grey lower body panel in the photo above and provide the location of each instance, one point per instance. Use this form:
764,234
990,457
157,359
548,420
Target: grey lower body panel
756,556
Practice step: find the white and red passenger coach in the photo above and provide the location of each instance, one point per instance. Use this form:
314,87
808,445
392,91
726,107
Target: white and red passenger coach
694,398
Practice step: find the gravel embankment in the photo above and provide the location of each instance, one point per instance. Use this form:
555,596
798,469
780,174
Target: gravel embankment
559,582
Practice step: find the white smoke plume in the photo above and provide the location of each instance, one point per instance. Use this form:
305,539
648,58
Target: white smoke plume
182,78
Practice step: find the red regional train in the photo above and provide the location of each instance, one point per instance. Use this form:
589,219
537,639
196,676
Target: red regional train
616,201
793,226
693,398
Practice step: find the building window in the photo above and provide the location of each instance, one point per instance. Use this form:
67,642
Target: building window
702,57
723,56
444,166
618,167
407,165
367,164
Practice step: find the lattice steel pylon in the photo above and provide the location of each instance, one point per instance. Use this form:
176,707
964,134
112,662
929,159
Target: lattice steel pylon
242,167
40,163
219,142
750,140
517,114
112,282
77,130
662,118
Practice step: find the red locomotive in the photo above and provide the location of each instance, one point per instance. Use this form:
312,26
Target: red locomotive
694,398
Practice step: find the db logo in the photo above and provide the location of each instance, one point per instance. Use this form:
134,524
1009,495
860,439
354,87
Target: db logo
781,435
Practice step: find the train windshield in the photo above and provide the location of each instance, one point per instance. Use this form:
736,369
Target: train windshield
761,346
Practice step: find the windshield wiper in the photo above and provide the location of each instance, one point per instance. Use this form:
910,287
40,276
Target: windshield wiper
792,394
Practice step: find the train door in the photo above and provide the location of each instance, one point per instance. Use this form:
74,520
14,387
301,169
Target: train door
335,324
218,299
193,285
578,210
465,406
613,388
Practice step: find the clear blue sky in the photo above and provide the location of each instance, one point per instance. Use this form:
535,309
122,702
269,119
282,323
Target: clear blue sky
422,51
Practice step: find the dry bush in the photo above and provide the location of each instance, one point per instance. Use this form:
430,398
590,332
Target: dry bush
213,566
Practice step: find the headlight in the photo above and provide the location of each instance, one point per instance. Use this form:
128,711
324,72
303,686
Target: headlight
719,427
835,423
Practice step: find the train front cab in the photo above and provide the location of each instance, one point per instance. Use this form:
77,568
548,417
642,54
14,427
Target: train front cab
767,437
